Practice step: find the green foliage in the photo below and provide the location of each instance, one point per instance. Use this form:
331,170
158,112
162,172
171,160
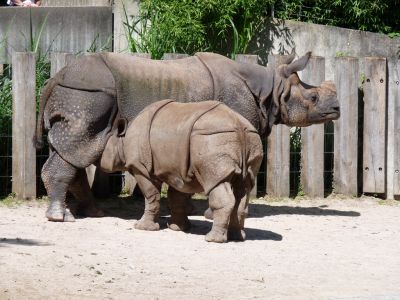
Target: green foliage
340,54
42,74
188,26
370,15
5,93
227,26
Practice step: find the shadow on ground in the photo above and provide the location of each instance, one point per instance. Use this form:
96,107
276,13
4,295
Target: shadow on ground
129,208
132,208
22,242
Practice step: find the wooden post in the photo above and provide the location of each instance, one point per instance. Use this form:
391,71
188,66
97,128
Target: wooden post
1,69
278,161
171,56
59,60
346,128
374,148
312,138
395,95
249,59
23,125
278,153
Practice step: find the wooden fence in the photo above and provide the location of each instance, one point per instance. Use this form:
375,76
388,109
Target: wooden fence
361,161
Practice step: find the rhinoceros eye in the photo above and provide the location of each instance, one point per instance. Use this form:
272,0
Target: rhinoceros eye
314,98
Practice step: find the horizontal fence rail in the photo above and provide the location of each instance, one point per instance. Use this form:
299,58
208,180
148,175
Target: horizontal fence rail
359,137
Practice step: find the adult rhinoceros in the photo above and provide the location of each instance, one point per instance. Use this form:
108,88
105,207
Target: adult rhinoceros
80,103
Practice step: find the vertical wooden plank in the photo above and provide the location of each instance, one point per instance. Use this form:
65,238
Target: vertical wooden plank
278,161
249,59
278,153
170,56
23,125
59,60
374,148
312,138
346,128
395,97
1,69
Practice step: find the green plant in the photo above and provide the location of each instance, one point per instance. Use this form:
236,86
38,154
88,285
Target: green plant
188,26
340,54
362,79
371,15
95,47
5,93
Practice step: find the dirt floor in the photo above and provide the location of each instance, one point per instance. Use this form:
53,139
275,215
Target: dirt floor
295,249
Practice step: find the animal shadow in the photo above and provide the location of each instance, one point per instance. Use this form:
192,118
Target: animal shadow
265,210
202,227
22,242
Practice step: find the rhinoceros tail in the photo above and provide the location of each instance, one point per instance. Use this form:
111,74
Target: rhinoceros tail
46,92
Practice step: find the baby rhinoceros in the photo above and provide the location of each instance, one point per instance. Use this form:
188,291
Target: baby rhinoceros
193,147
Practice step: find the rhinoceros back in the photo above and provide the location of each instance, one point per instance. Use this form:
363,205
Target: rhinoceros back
140,81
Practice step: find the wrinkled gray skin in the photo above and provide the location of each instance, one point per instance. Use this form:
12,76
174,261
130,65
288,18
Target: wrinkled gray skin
193,147
80,103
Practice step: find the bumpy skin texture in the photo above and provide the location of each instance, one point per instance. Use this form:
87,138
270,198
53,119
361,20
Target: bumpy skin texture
80,102
193,147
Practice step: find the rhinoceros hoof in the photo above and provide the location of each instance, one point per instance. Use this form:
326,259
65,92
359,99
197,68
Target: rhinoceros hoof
216,237
185,226
147,225
236,235
59,215
208,214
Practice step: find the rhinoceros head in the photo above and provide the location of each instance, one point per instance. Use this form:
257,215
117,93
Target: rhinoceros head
302,104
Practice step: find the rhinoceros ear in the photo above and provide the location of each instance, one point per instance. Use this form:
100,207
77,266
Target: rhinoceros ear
287,59
298,65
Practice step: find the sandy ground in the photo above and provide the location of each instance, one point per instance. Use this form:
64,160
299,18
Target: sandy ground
308,249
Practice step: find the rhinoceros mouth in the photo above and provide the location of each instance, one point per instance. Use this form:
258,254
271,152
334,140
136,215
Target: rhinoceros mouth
331,115
324,117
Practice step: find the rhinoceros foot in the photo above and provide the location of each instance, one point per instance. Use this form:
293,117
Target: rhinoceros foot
236,235
216,237
147,225
59,214
183,225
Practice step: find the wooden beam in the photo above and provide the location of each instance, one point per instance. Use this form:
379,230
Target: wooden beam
23,125
374,138
346,128
312,138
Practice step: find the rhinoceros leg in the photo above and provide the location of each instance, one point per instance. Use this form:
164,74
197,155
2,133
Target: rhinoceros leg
208,214
80,189
151,192
222,202
239,213
178,204
57,175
